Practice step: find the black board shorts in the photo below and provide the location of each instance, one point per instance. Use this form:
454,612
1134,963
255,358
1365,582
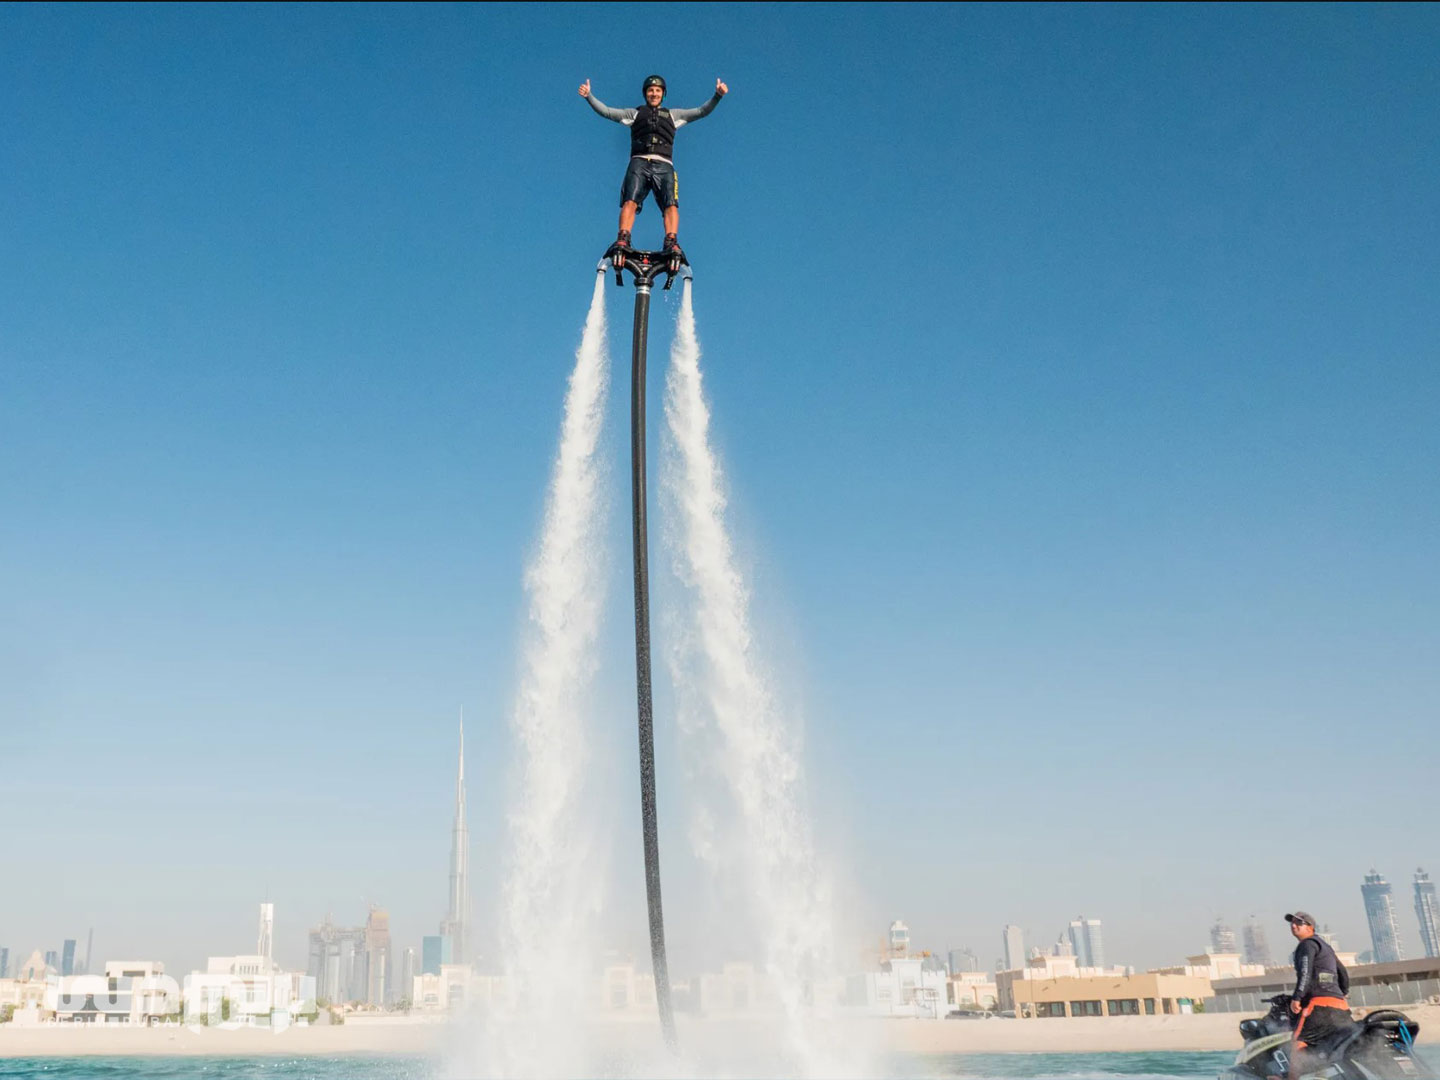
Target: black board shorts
645,176
1323,1027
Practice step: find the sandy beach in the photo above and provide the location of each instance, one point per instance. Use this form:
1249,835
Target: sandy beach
403,1036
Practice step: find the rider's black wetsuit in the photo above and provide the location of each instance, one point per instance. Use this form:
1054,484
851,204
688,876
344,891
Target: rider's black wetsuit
1321,983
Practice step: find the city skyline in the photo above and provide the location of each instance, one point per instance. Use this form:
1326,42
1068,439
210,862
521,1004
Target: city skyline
361,957
1134,479
356,963
359,960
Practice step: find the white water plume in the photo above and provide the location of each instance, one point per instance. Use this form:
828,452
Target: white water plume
551,894
725,699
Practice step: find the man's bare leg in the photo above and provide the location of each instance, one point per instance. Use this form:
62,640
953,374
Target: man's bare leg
672,219
628,210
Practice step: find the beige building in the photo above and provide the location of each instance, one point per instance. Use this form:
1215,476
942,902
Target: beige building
458,987
22,994
973,990
736,988
1214,966
1149,994
26,995
622,988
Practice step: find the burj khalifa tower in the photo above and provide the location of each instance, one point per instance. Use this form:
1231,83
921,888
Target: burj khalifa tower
457,917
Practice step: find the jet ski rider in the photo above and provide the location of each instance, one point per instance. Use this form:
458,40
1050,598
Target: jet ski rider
652,149
1321,983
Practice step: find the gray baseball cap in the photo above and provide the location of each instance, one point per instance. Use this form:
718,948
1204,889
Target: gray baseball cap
1301,918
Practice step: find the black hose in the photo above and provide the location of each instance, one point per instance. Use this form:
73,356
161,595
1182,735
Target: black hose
642,667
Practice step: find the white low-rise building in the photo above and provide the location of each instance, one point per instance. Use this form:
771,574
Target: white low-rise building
129,992
458,987
247,990
902,987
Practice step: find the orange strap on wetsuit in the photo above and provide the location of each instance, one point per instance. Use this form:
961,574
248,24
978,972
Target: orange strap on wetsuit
1322,1002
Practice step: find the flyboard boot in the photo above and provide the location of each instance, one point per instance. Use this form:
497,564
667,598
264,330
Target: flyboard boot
617,251
674,257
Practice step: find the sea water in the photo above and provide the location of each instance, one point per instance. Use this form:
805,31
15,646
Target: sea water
1129,1066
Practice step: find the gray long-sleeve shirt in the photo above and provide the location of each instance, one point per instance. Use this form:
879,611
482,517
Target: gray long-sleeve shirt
627,116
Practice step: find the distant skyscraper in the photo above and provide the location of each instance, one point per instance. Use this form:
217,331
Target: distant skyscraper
265,938
457,916
1086,941
67,957
434,951
89,952
899,938
1380,911
4,963
1222,938
1014,948
1329,937
338,962
52,959
406,987
963,960
1257,949
377,955
1427,911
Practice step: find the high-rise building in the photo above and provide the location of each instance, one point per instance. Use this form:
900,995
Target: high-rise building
4,962
338,962
52,959
67,957
406,986
1329,937
898,940
1014,956
265,938
456,926
1086,942
962,960
377,955
1257,949
1427,913
89,964
1222,938
1380,911
434,951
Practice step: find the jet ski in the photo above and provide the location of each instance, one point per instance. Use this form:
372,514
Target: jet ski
1380,1046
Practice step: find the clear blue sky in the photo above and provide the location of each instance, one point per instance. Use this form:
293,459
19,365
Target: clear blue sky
1075,370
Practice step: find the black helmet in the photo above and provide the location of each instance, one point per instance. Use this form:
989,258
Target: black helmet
653,80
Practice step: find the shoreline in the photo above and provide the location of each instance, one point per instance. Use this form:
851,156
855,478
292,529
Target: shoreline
425,1037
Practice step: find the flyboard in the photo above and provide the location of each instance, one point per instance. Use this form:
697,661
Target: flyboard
645,267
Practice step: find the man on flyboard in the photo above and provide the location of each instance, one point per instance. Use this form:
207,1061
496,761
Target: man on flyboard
652,165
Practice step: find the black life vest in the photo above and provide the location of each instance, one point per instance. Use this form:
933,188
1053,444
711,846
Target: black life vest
653,132
1328,975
